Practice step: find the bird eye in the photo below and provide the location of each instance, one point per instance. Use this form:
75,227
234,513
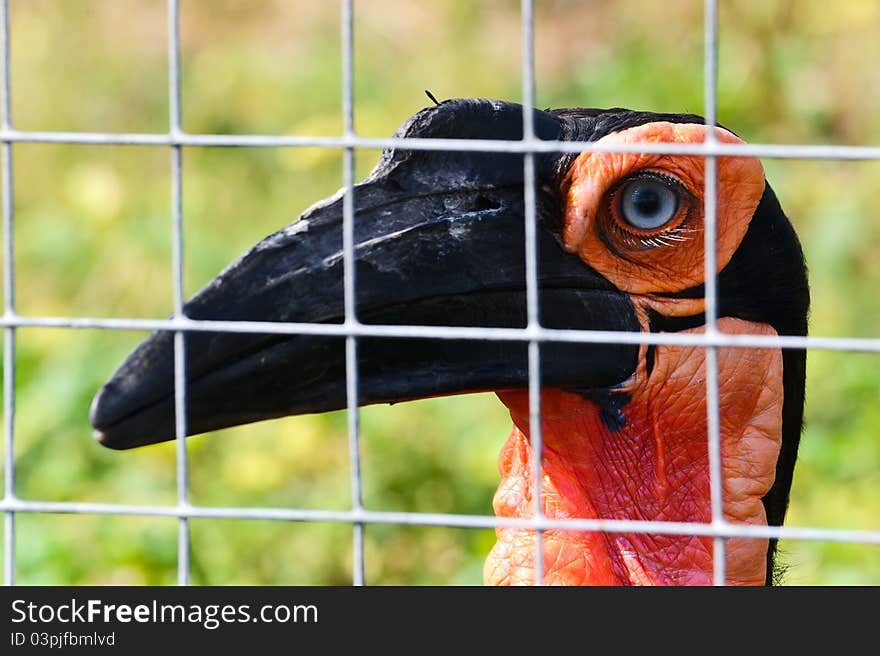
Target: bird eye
648,202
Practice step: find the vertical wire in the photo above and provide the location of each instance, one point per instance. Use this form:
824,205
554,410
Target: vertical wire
710,93
8,312
351,368
183,532
531,256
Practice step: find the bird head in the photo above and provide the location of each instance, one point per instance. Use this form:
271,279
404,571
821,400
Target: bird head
439,240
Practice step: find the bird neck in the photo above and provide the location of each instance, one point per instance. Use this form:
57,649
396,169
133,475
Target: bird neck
644,456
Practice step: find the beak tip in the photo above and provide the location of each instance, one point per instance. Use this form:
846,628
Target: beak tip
101,438
97,410
101,421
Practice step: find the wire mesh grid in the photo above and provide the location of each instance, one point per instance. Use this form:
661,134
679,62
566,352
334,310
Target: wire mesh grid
533,333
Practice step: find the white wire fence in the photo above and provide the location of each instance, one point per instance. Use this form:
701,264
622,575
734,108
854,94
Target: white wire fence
533,333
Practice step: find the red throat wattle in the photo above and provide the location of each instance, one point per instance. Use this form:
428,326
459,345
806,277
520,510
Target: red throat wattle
654,466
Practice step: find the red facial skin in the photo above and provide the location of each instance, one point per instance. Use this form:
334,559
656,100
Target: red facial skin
656,466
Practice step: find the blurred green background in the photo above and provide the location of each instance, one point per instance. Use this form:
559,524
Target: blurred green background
92,238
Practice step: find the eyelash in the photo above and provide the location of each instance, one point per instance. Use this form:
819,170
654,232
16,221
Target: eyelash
630,238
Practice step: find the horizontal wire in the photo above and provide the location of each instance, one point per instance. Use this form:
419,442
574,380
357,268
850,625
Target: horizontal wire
717,529
722,529
773,151
534,333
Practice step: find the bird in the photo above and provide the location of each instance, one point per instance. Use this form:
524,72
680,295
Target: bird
440,240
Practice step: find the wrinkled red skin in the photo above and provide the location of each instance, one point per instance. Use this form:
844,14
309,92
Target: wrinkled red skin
654,468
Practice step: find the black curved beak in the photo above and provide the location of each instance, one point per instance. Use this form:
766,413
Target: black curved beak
439,240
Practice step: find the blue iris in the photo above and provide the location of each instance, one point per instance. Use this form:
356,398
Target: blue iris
648,203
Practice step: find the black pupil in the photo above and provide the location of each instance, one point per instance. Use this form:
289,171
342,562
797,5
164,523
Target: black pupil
646,200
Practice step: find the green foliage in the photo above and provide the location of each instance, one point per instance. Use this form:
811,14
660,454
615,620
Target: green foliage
93,239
